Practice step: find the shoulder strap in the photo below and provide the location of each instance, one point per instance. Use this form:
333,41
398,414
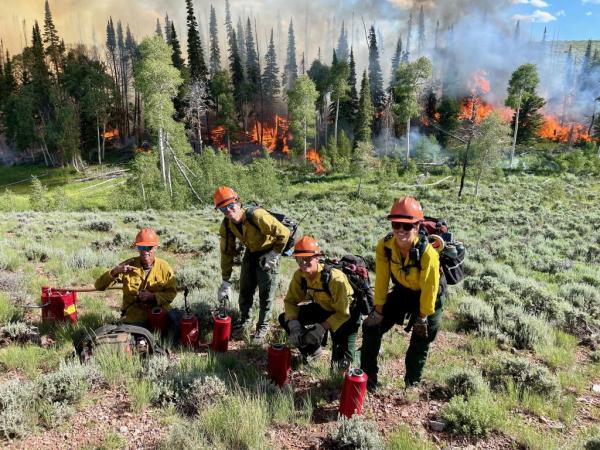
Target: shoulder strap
325,278
250,215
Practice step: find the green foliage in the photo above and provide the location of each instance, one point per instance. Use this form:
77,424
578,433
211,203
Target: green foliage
29,359
9,312
186,435
118,368
301,111
410,77
477,416
356,433
593,444
364,118
406,439
427,149
474,313
465,382
525,376
68,384
16,402
39,199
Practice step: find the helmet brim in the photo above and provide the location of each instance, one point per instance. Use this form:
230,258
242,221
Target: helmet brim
226,202
145,244
305,253
403,219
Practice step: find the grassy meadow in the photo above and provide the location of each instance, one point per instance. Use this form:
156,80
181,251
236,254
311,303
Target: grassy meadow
514,366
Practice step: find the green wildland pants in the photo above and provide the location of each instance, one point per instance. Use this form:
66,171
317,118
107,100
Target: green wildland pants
400,304
343,347
251,277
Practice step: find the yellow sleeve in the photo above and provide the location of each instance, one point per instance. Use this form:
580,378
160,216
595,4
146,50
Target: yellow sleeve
105,280
382,274
295,295
169,287
341,299
270,226
227,246
429,280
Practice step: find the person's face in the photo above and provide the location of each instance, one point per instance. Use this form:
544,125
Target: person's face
233,211
405,233
308,264
146,255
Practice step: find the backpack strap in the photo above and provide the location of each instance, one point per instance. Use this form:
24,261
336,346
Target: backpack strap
414,256
250,216
325,278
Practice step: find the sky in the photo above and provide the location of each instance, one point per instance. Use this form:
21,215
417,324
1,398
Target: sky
565,19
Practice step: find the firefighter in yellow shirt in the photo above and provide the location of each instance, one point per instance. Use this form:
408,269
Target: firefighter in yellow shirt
147,281
322,298
264,238
413,267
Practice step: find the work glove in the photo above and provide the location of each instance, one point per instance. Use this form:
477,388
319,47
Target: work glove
374,319
420,328
296,331
224,291
315,336
269,261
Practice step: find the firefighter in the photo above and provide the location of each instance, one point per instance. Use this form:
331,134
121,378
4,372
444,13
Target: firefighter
330,308
264,239
417,293
147,281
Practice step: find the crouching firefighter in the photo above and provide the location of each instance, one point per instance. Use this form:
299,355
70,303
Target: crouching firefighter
416,294
147,281
322,297
264,238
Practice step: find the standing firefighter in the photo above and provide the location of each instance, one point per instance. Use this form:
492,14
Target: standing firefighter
147,282
331,307
264,238
417,292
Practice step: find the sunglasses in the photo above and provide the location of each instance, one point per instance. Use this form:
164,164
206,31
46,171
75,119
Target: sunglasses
403,226
226,208
304,259
144,248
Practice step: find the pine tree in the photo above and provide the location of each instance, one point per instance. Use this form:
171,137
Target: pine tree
240,42
364,118
168,26
421,41
215,54
252,68
228,22
158,30
342,47
236,70
586,65
517,36
396,62
198,70
54,47
406,55
111,45
270,76
375,77
177,58
290,70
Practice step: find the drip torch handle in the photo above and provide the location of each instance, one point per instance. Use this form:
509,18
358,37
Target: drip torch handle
186,291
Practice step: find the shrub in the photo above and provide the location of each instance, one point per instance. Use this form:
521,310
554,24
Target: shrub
465,382
97,225
9,312
523,374
593,444
188,435
201,393
68,384
476,416
19,332
356,433
406,439
16,402
474,313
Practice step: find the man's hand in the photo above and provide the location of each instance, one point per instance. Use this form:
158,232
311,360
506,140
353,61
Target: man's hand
315,336
420,327
121,268
296,331
224,291
146,296
269,261
374,319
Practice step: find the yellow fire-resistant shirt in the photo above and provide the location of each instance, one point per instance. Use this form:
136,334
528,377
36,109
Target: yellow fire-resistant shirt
425,279
338,302
263,234
161,282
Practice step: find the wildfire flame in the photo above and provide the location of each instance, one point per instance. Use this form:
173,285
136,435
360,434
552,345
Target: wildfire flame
483,110
313,156
552,130
110,133
478,84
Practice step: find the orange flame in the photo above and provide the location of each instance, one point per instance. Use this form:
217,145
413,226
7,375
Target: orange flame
313,156
552,130
110,133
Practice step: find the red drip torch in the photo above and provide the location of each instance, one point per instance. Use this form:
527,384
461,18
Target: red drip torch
188,326
279,363
353,392
58,305
157,318
221,332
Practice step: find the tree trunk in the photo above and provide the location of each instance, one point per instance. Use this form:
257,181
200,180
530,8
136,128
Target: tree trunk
477,185
103,139
305,131
98,138
514,145
199,131
464,165
337,113
161,151
407,141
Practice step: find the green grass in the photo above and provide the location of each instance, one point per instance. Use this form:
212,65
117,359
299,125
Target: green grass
140,394
31,360
406,439
117,367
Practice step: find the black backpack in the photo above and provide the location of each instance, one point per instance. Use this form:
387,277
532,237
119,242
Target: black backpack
452,257
129,339
287,222
355,269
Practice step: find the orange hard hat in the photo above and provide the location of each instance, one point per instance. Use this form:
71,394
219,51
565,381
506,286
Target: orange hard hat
407,210
223,196
306,246
146,237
